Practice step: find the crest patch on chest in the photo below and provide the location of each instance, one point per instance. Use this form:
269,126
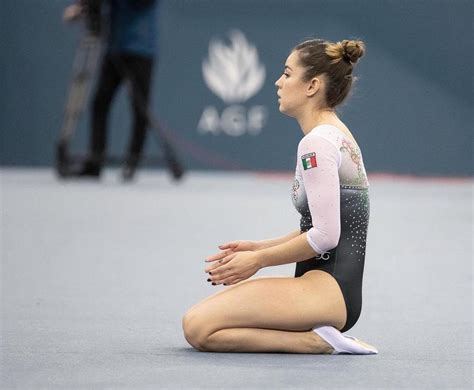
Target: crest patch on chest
309,161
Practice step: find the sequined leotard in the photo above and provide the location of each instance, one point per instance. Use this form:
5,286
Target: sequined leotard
330,191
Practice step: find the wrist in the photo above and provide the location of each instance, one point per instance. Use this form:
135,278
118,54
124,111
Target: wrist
258,245
263,244
261,257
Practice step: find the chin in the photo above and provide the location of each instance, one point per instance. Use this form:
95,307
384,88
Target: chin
285,111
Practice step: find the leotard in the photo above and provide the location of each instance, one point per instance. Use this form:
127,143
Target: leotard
331,192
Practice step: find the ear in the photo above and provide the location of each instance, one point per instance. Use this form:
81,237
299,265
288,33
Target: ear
313,86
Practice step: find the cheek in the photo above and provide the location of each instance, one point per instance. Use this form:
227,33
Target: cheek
286,87
290,91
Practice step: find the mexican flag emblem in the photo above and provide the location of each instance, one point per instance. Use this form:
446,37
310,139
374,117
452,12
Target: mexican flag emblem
309,161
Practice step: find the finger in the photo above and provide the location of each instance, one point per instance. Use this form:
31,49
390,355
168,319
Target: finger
229,245
231,281
219,268
216,266
218,256
222,278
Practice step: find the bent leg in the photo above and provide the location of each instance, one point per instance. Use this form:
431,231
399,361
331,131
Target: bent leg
265,340
267,315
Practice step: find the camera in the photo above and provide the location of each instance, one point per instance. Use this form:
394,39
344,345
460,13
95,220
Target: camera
93,15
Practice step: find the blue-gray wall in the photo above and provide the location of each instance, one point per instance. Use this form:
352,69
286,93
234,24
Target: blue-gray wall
410,110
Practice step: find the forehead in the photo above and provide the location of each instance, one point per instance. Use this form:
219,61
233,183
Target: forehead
292,60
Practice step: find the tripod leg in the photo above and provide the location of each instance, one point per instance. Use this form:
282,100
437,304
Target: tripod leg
171,160
84,66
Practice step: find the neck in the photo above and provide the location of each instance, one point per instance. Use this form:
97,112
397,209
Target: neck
309,119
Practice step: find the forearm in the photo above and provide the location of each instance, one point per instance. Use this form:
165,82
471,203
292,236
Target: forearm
294,250
263,244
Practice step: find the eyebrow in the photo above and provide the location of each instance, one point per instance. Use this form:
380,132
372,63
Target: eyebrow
286,66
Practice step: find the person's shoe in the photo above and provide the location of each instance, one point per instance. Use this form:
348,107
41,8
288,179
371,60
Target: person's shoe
129,169
88,170
344,344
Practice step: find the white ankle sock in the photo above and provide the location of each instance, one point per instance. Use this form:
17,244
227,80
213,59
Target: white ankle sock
343,343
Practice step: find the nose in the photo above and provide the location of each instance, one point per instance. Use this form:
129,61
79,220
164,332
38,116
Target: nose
277,83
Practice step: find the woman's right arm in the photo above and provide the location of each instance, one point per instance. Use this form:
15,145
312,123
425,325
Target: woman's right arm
277,241
246,245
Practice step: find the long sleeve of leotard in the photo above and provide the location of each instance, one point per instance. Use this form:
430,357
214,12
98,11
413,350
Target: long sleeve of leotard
319,161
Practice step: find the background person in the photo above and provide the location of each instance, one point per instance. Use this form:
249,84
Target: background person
131,39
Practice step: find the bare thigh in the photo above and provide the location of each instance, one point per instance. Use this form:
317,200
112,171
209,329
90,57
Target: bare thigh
284,303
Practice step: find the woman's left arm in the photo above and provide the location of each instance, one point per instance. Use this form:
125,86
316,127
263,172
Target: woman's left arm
319,162
297,249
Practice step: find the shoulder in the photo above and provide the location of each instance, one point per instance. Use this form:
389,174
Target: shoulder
324,136
323,140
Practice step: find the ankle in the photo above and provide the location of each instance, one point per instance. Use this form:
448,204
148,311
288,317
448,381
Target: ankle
319,345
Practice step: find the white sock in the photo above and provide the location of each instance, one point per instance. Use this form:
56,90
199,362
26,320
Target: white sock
343,343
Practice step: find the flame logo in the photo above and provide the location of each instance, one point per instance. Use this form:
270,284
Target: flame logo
233,72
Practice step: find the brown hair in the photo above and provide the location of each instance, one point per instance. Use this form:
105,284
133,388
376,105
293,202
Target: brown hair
335,60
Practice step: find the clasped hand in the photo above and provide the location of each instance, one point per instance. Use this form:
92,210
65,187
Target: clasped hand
237,261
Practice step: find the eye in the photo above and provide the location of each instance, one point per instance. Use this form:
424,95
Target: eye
286,74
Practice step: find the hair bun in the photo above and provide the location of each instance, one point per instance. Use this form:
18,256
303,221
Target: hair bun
352,50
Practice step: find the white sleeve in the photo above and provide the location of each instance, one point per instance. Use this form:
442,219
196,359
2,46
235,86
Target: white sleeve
319,161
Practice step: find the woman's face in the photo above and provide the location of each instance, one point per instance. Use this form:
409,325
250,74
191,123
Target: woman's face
291,87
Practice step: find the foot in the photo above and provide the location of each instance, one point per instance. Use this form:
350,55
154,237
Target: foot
89,169
344,344
317,345
129,168
363,344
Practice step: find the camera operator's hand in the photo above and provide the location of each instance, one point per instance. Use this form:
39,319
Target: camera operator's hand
72,13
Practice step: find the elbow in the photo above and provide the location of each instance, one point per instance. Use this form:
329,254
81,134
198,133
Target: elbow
332,239
332,242
321,242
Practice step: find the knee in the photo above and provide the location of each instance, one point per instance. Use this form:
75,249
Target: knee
194,331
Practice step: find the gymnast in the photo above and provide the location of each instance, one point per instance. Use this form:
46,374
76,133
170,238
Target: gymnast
310,312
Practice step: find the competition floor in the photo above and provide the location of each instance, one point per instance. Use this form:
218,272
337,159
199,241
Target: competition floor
96,278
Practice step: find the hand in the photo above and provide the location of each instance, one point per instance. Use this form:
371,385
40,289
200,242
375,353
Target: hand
232,247
72,12
233,268
240,245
